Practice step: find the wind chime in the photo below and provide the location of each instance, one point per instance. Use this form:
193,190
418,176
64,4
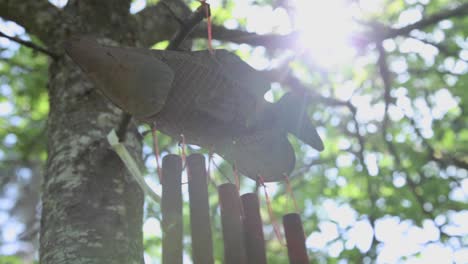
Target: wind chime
213,99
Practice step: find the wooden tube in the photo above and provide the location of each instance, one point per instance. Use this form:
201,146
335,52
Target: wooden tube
171,209
231,219
202,243
295,239
253,226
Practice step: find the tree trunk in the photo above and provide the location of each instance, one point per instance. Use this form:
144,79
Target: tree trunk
92,209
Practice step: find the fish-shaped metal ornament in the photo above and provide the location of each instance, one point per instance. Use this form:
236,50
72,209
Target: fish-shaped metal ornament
215,100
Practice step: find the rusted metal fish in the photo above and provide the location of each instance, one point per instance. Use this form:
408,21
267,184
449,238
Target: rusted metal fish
215,100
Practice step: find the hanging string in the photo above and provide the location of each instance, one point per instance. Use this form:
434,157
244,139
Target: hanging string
274,223
206,6
220,171
291,193
154,132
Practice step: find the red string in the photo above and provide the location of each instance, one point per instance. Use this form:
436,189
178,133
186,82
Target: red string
270,212
206,6
291,193
154,132
210,46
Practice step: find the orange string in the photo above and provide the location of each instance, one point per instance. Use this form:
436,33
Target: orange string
154,132
210,46
270,212
291,193
206,6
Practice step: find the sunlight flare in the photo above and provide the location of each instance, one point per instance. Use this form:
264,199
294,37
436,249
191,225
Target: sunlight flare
325,30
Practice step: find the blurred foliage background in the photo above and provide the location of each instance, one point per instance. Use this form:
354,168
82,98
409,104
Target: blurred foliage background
390,93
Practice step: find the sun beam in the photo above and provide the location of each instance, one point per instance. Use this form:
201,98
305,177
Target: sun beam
326,28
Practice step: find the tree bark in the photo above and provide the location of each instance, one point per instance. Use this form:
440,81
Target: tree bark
92,210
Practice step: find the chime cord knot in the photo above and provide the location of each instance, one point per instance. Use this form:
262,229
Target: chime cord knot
206,6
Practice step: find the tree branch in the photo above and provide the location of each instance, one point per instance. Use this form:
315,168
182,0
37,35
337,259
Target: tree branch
36,16
306,167
151,21
387,84
381,32
442,47
461,10
157,22
437,156
411,184
385,76
296,85
186,27
31,45
272,41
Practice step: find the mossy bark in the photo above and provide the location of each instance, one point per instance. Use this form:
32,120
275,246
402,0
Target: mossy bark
92,209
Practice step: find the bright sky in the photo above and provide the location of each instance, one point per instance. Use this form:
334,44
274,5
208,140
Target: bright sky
326,29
